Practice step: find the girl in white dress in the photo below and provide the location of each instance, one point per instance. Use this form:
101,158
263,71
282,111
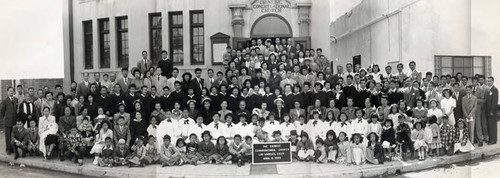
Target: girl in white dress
418,138
104,132
462,143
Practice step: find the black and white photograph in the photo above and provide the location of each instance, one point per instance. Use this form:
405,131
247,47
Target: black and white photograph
249,88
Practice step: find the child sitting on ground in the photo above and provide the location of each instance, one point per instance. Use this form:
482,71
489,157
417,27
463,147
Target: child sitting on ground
106,158
206,147
331,145
305,148
75,146
320,155
249,151
237,150
375,151
169,155
138,152
344,151
221,152
180,145
151,155
122,153
462,142
357,149
403,137
192,155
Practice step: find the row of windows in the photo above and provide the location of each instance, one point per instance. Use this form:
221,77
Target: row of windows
176,51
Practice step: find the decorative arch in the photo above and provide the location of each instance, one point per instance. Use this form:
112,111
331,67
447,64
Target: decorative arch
262,27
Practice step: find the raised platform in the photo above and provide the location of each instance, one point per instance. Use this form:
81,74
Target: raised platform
296,169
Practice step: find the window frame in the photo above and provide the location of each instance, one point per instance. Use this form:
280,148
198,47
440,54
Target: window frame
119,40
102,50
171,27
192,26
438,60
88,52
155,57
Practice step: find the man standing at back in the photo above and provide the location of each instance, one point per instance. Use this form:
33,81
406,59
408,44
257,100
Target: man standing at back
83,87
144,64
491,110
125,81
8,113
166,65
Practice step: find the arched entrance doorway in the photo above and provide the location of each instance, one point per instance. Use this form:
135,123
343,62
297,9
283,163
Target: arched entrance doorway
271,26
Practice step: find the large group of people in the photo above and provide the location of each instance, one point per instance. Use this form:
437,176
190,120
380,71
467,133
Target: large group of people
272,91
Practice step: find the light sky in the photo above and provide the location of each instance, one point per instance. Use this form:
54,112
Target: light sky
31,39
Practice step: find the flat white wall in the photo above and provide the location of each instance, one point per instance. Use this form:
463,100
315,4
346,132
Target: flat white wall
485,33
410,30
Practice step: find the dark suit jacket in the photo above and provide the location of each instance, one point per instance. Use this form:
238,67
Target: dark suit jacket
198,85
491,101
8,111
458,111
82,89
144,66
124,85
167,67
33,112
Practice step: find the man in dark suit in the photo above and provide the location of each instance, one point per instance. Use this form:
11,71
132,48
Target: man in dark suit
491,110
125,81
166,65
103,100
97,81
130,98
198,82
349,90
82,88
8,113
458,94
144,64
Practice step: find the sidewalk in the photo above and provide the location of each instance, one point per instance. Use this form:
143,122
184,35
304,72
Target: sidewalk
296,169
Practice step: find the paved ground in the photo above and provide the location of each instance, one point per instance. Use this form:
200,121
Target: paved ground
480,168
296,169
16,171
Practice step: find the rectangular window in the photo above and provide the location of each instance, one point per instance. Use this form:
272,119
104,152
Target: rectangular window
122,41
155,37
176,37
88,45
467,65
104,49
197,38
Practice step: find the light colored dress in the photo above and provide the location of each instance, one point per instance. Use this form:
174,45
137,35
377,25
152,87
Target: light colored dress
417,136
100,138
463,137
344,153
47,126
446,105
358,153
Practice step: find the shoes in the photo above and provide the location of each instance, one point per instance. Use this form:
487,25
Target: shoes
22,165
16,156
164,164
480,144
95,162
239,163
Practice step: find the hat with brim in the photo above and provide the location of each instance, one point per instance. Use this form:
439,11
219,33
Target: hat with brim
278,99
293,132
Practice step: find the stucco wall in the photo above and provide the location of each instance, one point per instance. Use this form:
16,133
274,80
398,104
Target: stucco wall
401,31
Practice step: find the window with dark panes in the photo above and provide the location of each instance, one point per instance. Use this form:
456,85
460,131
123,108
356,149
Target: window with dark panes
122,41
155,37
104,44
197,38
176,37
467,65
88,45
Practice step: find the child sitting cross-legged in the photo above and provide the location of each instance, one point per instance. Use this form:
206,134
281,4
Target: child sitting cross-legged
238,150
122,153
320,155
169,155
192,155
75,146
305,148
106,158
221,152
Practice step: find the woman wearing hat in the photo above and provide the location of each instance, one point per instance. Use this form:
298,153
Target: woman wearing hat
280,109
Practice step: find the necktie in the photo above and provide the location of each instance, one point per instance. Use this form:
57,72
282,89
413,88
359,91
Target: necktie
315,122
342,124
216,126
200,126
158,78
186,121
272,122
29,109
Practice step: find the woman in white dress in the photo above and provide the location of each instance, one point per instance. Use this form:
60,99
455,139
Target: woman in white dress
104,132
47,129
448,104
434,111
